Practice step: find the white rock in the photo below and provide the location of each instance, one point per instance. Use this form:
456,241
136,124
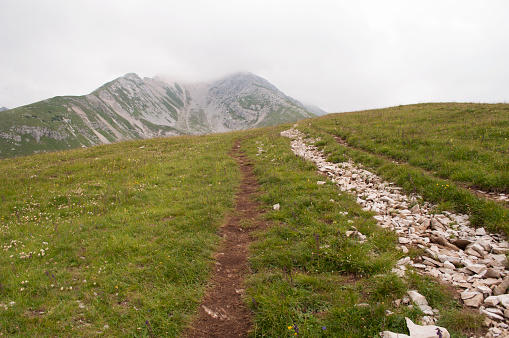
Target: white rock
477,268
501,259
480,232
427,320
449,265
416,209
421,302
492,300
503,299
484,290
404,240
276,206
492,315
428,331
492,273
417,298
472,299
472,252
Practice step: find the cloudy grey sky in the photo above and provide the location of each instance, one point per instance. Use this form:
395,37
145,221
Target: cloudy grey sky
339,55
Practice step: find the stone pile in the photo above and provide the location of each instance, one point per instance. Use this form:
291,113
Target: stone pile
472,260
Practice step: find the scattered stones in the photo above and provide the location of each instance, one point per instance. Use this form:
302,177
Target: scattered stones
472,260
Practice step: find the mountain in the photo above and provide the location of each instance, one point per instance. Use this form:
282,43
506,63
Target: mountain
134,108
315,109
3,108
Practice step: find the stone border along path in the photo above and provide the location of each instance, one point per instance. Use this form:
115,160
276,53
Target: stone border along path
223,313
470,259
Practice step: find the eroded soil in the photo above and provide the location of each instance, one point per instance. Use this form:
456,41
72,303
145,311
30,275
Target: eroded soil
223,312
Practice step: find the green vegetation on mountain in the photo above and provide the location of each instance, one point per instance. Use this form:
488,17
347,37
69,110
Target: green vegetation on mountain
131,108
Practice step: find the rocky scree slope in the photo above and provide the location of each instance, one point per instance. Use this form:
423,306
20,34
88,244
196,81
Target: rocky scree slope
134,108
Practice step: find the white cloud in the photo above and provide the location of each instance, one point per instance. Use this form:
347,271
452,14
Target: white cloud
339,55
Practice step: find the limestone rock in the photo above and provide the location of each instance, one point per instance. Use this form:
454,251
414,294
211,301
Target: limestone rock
418,331
472,299
492,315
501,288
461,243
417,298
492,273
477,268
504,300
471,259
428,331
491,301
449,265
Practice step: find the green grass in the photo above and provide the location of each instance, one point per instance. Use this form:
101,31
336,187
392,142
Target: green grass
119,239
467,143
445,190
307,273
119,235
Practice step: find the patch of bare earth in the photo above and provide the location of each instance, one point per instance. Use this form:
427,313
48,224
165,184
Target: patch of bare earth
223,313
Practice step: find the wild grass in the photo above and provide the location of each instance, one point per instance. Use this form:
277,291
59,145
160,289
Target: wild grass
449,193
114,240
118,240
465,143
308,277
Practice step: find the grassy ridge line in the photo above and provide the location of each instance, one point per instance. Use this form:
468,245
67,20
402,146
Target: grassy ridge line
308,277
115,239
467,143
446,193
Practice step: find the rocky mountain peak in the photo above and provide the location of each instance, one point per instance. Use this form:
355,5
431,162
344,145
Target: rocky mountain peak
130,107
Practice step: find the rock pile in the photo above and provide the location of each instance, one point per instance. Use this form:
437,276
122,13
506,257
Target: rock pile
470,259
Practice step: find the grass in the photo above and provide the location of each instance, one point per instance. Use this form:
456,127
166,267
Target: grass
114,239
446,190
118,240
467,143
308,277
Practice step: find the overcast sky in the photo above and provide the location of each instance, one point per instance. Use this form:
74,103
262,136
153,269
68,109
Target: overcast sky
339,55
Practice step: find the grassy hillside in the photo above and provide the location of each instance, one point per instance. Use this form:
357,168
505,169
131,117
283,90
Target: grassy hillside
116,238
436,150
467,143
119,239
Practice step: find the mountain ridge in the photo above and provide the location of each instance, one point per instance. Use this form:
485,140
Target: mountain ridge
131,107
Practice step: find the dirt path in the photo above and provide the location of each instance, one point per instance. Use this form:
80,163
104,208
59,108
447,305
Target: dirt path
223,313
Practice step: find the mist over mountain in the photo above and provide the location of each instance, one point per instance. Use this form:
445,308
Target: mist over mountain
130,107
3,108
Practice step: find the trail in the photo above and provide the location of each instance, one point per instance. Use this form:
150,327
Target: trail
223,313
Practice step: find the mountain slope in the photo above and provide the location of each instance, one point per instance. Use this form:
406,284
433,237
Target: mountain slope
134,108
